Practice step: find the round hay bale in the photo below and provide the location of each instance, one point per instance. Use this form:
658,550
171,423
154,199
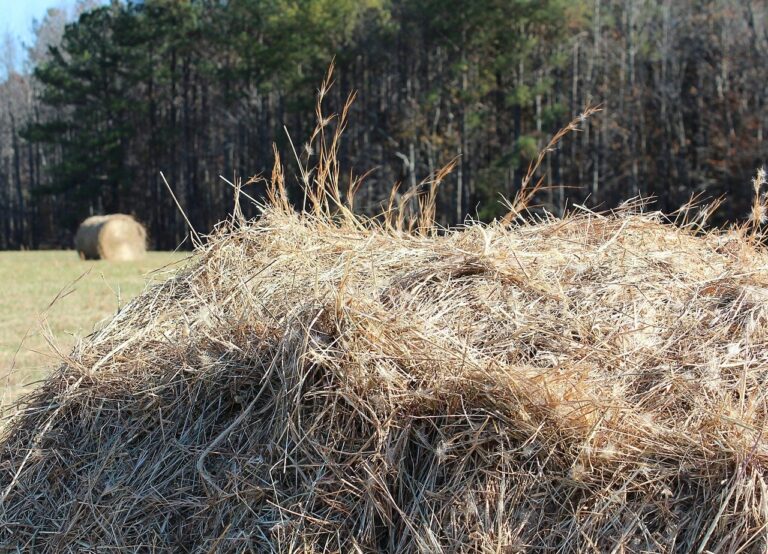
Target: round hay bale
115,237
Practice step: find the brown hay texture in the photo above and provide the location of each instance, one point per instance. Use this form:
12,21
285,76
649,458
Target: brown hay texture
323,382
115,237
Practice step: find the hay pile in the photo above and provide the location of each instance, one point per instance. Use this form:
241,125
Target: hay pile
321,382
115,237
313,383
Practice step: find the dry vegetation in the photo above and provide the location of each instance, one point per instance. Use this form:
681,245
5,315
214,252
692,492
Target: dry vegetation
114,237
84,293
319,382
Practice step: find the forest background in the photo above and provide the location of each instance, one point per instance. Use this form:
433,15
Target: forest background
202,88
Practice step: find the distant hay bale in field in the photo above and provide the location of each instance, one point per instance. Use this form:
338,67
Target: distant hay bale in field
115,237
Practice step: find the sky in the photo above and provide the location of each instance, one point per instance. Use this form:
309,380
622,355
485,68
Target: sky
16,16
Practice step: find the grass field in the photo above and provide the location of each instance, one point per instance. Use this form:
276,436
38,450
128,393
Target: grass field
56,291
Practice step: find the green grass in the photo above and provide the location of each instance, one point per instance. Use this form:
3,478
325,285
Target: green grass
58,291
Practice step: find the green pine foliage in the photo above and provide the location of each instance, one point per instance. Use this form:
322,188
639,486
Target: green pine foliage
202,88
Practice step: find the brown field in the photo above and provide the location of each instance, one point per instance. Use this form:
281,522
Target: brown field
50,298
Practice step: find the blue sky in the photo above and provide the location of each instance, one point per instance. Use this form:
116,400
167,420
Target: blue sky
16,16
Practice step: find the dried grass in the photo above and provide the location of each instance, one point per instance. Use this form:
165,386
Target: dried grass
113,237
322,382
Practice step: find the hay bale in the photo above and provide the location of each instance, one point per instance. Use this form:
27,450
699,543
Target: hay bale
322,383
115,237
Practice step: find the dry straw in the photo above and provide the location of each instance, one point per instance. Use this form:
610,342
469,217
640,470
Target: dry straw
320,382
115,237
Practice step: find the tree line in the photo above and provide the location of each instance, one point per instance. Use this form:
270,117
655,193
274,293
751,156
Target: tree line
202,88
